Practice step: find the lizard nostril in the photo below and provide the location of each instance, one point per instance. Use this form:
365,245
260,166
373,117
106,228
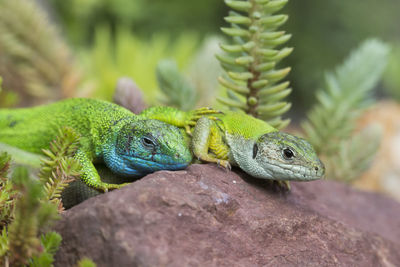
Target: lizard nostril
316,168
177,155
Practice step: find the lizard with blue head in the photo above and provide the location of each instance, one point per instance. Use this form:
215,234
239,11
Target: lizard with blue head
130,145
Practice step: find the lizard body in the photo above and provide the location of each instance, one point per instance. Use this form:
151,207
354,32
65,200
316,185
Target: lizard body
234,138
130,145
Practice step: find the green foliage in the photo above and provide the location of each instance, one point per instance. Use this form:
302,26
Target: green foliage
254,84
331,123
3,243
177,91
81,17
7,191
354,156
129,56
7,99
29,207
392,74
60,168
85,262
50,242
35,62
23,230
324,32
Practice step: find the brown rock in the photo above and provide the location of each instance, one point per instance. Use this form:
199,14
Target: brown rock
207,216
129,95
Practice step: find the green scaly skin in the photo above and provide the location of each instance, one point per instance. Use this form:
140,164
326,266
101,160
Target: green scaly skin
130,145
234,138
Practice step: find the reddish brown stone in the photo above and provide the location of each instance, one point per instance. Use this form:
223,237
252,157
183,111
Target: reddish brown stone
207,216
129,95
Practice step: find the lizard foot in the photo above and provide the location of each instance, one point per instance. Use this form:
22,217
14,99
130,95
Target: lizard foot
225,164
284,185
108,187
195,115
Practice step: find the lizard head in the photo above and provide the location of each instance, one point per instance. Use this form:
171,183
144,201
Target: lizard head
146,146
281,156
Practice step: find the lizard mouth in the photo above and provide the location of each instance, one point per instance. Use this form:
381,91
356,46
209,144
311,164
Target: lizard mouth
297,173
146,166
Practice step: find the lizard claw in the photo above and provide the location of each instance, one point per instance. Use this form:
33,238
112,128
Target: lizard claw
225,164
109,187
207,111
194,116
285,185
188,130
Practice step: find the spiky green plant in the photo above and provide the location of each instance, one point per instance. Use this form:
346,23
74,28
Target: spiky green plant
7,192
253,81
177,90
35,61
22,232
60,168
50,242
392,73
331,123
29,207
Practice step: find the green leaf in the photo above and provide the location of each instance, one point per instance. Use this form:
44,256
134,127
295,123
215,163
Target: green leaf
242,76
3,242
236,32
178,92
276,5
259,84
226,59
277,41
239,5
265,66
274,21
347,94
271,35
237,88
238,20
276,75
231,103
246,60
267,91
51,242
231,48
281,54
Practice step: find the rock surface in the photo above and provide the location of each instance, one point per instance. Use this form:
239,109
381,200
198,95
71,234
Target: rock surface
207,216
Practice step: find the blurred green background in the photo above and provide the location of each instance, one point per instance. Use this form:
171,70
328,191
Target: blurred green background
109,39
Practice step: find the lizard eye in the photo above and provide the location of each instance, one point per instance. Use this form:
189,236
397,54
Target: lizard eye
255,151
148,142
288,153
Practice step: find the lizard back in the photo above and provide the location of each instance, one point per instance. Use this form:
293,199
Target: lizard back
33,128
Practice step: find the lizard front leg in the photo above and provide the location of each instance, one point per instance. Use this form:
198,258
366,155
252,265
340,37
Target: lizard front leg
90,176
206,136
179,118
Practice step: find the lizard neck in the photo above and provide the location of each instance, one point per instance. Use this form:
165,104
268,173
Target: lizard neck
104,138
241,154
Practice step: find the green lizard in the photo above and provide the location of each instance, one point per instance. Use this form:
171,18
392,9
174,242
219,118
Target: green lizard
242,140
130,145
